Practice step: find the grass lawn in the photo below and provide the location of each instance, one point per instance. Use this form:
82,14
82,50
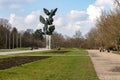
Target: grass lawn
55,52
15,49
75,64
116,52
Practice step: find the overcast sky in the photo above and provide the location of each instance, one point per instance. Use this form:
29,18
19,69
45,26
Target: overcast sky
72,15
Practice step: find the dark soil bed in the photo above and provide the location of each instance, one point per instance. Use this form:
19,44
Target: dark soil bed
6,63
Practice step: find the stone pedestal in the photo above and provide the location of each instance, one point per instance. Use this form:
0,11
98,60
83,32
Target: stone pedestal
48,41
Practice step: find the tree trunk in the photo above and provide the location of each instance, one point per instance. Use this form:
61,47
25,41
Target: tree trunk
9,40
13,41
20,41
6,40
16,41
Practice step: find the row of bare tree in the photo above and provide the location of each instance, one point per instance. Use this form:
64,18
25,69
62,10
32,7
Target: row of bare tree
11,38
107,31
58,40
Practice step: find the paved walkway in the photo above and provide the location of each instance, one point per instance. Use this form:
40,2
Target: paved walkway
24,51
107,65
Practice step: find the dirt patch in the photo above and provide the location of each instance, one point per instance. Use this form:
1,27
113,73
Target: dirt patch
93,55
6,63
116,69
58,52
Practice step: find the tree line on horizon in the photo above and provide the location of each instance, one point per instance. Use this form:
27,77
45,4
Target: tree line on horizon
106,32
11,38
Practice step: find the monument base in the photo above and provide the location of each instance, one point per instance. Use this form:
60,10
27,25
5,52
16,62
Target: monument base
48,41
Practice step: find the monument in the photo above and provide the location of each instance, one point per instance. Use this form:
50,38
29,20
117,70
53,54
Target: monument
48,26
